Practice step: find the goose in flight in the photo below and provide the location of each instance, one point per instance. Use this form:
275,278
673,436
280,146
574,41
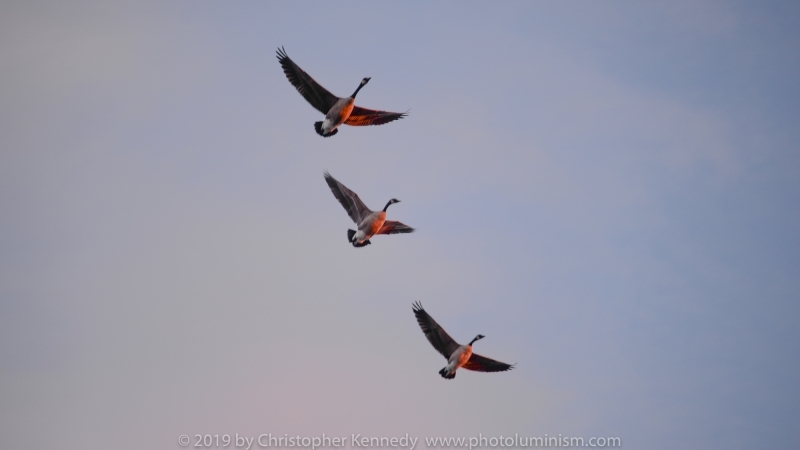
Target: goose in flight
337,110
369,222
457,355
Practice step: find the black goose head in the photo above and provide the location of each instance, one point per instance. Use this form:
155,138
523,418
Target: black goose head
477,338
394,200
363,83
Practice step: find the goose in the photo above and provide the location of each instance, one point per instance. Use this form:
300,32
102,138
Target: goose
337,110
456,355
369,222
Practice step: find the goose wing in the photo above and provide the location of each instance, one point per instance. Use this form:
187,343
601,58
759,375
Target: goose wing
483,364
363,116
313,92
436,335
355,208
392,227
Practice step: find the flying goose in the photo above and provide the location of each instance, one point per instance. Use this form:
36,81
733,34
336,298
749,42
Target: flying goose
369,222
337,110
457,355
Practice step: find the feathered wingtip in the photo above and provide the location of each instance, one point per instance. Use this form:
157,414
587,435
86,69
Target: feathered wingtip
281,54
444,374
350,234
318,128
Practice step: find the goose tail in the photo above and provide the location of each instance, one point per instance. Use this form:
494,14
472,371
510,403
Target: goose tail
318,128
447,376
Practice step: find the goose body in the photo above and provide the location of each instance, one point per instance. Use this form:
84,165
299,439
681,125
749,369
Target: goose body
369,223
457,355
337,110
336,116
457,359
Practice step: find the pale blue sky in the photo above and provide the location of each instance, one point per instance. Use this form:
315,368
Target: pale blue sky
607,190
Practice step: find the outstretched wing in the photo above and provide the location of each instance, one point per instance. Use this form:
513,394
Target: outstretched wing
483,364
313,92
363,116
392,227
436,335
355,208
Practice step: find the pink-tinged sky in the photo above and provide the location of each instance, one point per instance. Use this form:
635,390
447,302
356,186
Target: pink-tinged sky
609,191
